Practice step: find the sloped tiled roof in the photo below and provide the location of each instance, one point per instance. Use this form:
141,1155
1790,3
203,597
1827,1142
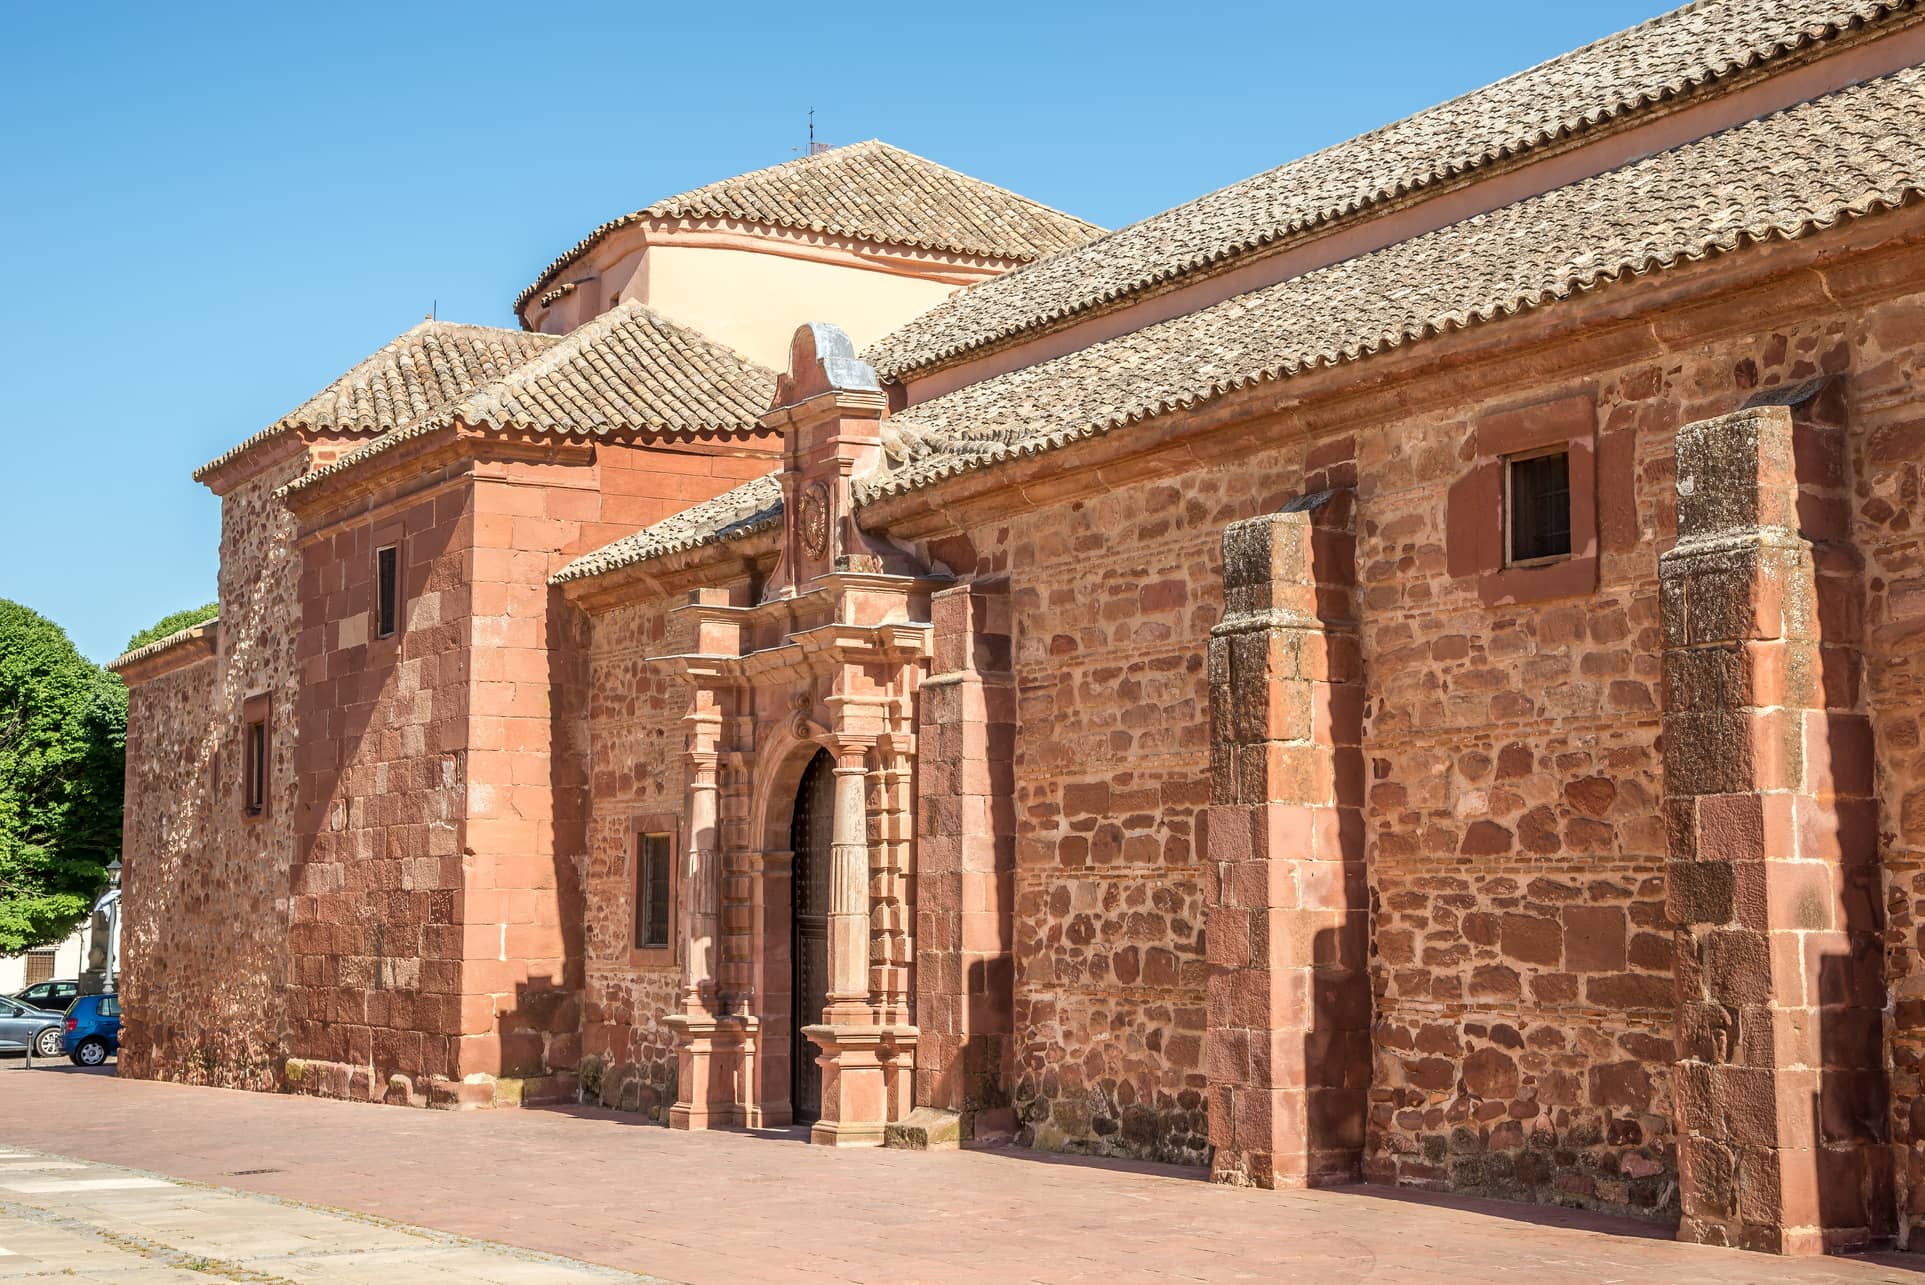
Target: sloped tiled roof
1851,153
199,630
1650,65
628,370
756,505
872,192
421,370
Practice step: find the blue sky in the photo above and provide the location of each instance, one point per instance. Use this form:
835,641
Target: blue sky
209,211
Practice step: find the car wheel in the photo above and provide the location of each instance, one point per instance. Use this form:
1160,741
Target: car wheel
47,1043
90,1053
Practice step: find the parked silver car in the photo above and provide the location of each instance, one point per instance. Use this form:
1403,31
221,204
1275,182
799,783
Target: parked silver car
22,1028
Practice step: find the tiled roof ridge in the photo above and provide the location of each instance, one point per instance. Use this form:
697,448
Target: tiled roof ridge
688,204
671,206
755,505
934,338
146,651
1324,317
303,417
482,407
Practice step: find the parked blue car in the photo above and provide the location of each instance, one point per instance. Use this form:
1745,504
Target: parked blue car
93,1029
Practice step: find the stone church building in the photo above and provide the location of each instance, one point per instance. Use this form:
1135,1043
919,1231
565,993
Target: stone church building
1399,669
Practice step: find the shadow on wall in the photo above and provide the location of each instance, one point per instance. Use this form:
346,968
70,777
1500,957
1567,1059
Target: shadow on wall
1850,1109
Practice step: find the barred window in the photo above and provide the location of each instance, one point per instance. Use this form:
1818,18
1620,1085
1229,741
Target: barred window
653,855
1539,495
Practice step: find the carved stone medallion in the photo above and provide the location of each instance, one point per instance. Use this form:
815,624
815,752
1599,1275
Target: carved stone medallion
812,518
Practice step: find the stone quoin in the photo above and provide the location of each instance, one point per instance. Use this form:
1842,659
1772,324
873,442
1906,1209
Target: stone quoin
1404,669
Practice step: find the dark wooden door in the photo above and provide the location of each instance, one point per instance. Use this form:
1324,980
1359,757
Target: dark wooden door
809,837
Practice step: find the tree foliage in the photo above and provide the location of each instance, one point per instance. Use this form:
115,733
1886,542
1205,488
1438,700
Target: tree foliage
172,625
63,755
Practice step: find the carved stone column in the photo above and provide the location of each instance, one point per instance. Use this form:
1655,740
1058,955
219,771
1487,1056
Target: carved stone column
701,878
849,890
857,1056
709,1042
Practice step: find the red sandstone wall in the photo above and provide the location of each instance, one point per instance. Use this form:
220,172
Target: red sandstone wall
1888,443
206,934
636,747
377,930
1111,601
170,781
1524,995
1522,956
444,789
530,760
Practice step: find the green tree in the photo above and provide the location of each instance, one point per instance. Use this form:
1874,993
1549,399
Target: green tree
63,758
172,625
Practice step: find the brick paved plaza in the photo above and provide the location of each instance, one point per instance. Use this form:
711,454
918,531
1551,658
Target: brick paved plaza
602,1187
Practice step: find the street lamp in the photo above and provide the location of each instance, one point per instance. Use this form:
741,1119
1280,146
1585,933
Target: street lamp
112,899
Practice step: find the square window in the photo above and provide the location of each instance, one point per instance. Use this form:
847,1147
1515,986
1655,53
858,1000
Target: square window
654,854
387,597
1538,490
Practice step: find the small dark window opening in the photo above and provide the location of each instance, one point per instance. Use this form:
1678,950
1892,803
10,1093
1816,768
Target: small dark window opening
255,765
1539,492
387,591
652,857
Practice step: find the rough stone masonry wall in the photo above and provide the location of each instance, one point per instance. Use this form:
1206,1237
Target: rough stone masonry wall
377,932
207,901
1111,600
1525,1002
636,750
170,783
1524,997
1887,440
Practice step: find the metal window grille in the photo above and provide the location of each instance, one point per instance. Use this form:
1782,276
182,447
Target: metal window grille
1540,507
652,857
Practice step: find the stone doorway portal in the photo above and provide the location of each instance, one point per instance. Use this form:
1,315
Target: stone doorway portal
810,835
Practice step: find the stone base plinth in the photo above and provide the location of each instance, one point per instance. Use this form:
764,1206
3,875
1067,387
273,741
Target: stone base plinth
716,1057
867,1075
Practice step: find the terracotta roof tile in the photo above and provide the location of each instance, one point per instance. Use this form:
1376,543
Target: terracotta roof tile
755,505
628,370
200,629
421,370
872,192
1677,54
1851,153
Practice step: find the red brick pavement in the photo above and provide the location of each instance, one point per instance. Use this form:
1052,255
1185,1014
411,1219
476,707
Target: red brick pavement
602,1186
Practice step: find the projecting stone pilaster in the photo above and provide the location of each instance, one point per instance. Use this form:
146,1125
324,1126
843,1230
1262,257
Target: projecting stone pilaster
966,859
1289,1003
1772,878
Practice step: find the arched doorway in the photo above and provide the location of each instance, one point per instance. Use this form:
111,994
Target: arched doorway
810,835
